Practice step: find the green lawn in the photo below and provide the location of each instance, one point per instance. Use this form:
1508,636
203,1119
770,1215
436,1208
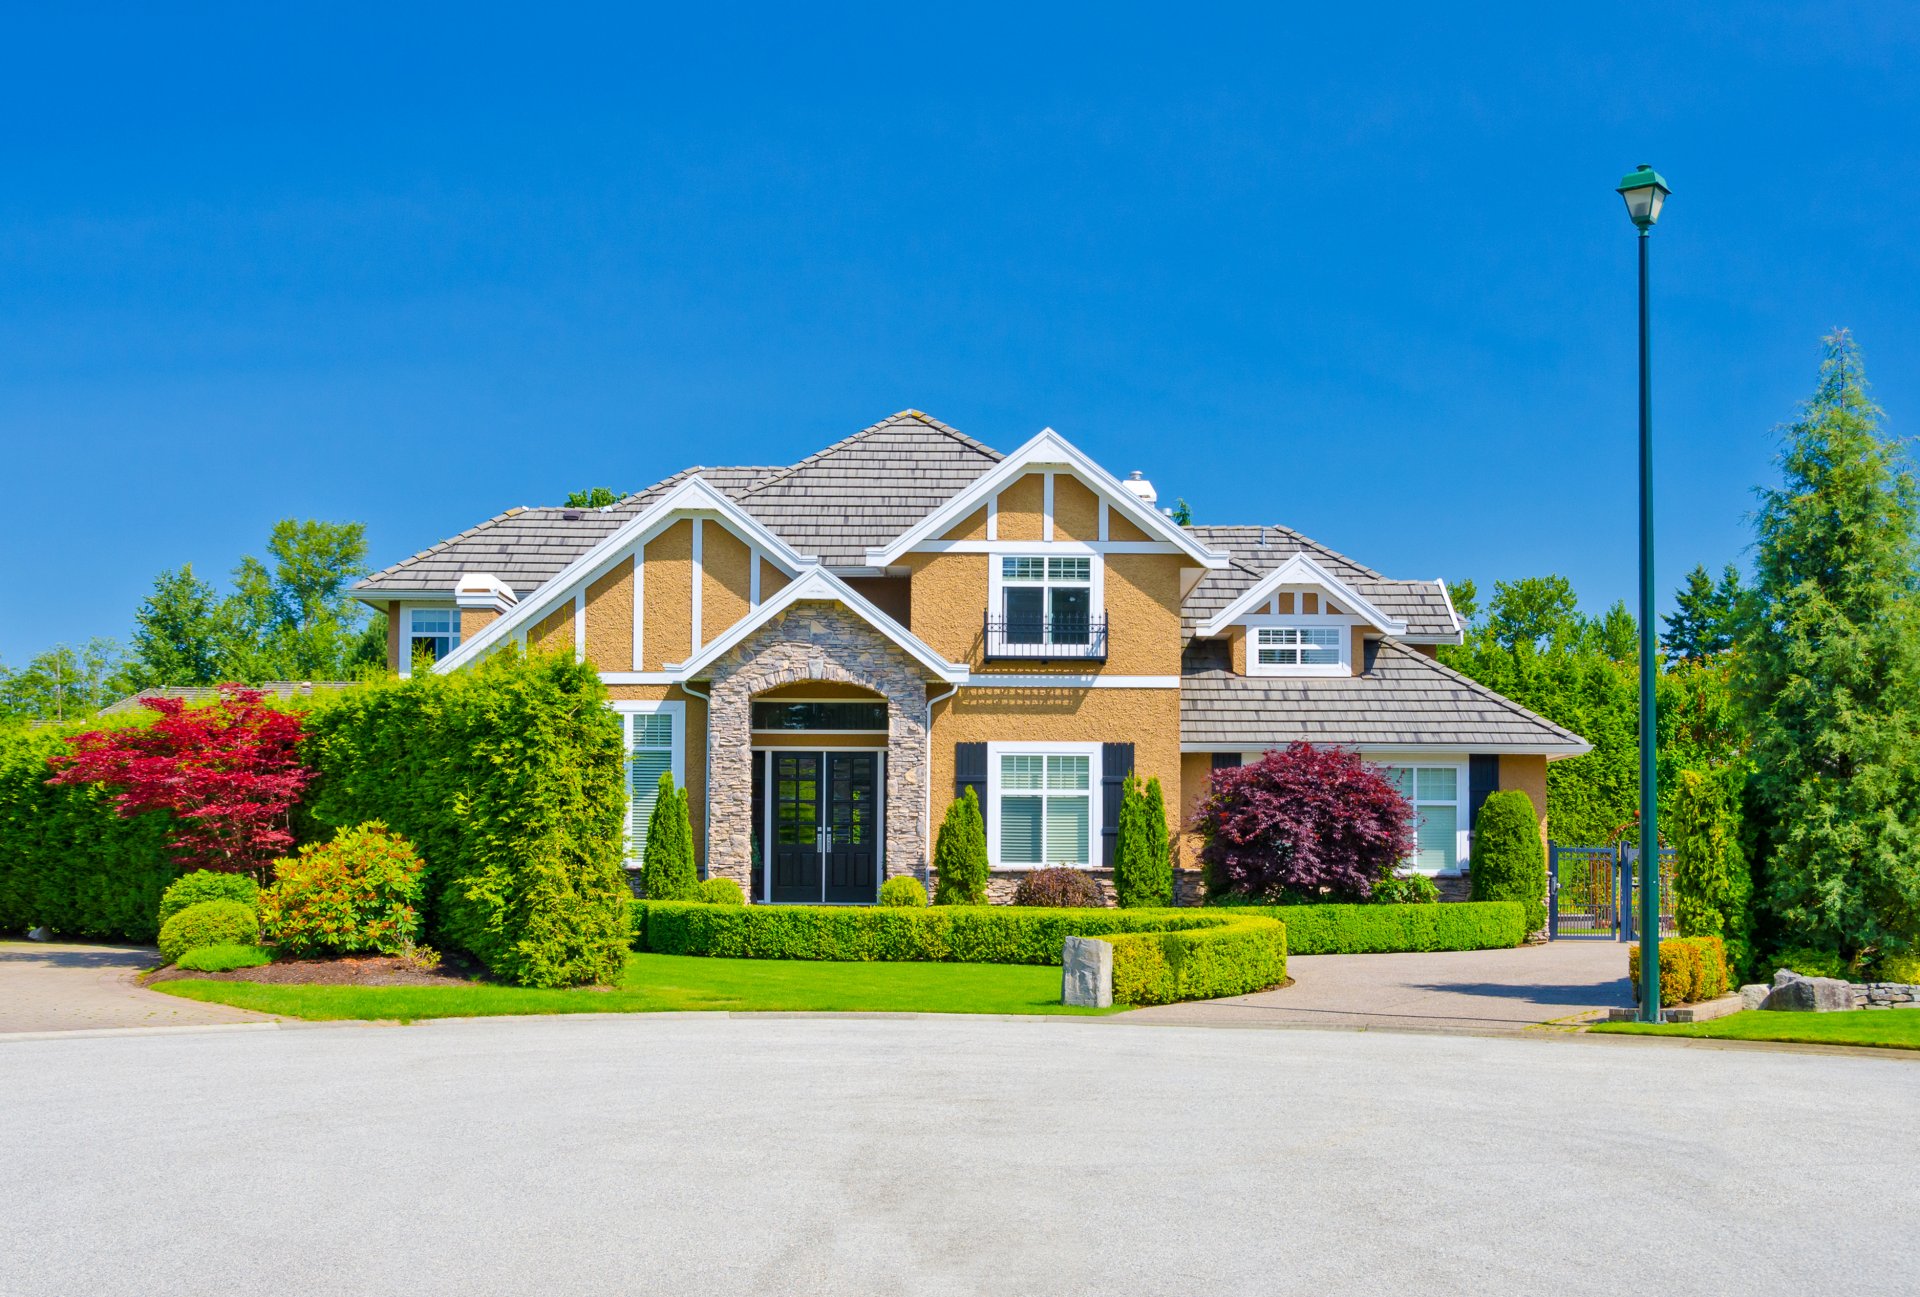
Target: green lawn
1889,1028
655,983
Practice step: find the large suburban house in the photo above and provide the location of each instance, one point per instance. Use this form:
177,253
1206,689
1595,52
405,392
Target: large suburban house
823,654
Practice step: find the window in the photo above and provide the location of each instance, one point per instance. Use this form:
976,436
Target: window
1044,808
432,632
1436,793
1279,648
832,716
653,749
1046,600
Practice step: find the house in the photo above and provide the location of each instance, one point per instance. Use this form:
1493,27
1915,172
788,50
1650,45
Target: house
824,653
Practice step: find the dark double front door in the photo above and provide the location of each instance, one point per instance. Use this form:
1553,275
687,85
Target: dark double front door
825,812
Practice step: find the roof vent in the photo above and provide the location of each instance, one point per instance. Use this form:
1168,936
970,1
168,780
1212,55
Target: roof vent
1141,489
570,515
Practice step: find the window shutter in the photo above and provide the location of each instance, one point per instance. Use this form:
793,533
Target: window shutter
1483,777
1116,763
1225,760
970,771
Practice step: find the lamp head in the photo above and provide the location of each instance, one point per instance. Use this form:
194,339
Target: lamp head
1645,193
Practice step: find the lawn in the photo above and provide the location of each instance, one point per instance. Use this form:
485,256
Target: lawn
659,983
1888,1028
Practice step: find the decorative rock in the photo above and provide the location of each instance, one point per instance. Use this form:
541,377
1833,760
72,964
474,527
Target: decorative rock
39,934
1754,995
1797,994
1086,973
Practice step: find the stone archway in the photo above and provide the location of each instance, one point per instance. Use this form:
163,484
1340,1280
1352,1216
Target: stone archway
814,640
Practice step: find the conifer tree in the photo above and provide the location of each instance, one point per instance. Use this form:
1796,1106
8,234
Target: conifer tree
1705,616
666,864
1828,677
960,854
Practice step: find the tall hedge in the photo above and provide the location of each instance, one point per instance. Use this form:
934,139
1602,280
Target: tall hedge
67,860
667,870
1509,864
960,854
509,778
1142,860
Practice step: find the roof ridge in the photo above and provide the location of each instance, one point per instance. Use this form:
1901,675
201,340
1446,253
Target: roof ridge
1493,695
901,416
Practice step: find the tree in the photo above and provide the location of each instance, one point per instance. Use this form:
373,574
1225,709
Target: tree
666,864
960,854
1711,882
228,773
1539,612
1828,676
65,683
1182,513
176,636
1142,863
1509,863
295,620
598,497
1303,824
1705,616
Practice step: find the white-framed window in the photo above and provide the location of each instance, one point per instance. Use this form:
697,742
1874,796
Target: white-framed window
1438,793
1043,804
656,739
1299,647
430,631
1046,599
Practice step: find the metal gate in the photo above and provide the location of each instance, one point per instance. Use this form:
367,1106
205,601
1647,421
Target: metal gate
1593,893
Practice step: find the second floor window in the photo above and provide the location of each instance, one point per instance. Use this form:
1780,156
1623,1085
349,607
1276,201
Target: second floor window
1047,600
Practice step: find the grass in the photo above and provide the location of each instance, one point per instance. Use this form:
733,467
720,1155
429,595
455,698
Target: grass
660,983
1886,1028
223,958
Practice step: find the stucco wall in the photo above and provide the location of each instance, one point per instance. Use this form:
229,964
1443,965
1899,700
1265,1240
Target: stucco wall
892,595
393,635
667,624
1019,508
554,632
726,566
972,527
610,620
1529,774
1076,509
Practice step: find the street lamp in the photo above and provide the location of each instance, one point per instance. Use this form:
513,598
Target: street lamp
1645,193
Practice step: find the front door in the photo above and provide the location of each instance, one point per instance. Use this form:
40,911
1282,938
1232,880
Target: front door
826,827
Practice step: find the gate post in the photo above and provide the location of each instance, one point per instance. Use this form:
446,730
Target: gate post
1553,891
1623,877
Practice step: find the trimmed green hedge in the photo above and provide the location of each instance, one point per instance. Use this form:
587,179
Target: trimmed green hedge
1245,955
1392,929
210,923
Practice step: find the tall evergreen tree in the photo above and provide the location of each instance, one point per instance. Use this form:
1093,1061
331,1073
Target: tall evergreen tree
1705,616
1828,676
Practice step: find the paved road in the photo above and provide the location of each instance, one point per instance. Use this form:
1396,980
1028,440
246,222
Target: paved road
50,986
692,1154
1466,990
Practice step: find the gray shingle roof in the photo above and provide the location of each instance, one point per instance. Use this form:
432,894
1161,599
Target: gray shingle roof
1402,698
1420,604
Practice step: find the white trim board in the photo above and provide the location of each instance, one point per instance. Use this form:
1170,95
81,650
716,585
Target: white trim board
1298,570
993,680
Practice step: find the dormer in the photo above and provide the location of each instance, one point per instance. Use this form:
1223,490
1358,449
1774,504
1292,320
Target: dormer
1300,620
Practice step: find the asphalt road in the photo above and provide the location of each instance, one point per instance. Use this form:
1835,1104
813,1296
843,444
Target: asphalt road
692,1154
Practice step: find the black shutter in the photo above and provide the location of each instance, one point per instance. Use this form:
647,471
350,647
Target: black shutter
1116,763
1483,777
1225,760
970,771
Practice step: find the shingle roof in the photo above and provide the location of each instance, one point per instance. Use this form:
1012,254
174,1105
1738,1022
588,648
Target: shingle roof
1256,551
1402,698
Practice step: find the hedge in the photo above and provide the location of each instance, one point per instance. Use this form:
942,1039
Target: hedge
67,860
1692,970
1246,955
210,923
1392,929
510,780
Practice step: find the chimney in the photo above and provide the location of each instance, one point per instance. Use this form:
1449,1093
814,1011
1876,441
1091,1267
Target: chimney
1141,489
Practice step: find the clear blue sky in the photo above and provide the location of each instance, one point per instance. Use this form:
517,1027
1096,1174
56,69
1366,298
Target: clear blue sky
1360,272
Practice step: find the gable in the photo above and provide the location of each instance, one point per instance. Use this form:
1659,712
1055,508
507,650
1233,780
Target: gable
1301,587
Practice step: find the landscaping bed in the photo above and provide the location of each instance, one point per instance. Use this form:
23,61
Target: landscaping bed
348,970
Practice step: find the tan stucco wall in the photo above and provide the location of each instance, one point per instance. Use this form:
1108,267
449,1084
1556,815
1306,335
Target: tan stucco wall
475,620
1019,508
1359,650
393,635
726,566
1143,614
972,527
610,619
696,749
1428,650
772,580
892,595
1119,527
1529,775
667,625
948,602
554,632
1076,509
1195,769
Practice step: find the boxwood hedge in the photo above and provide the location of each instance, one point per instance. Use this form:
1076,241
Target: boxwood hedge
1384,929
1245,955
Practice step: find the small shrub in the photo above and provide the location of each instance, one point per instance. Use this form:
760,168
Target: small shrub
222,958
960,854
1142,859
1246,955
206,885
358,892
1809,963
1692,969
1898,968
903,891
1406,889
720,891
1068,888
210,923
666,864
1509,864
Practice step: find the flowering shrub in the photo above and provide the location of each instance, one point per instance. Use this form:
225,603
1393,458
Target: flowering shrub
1059,886
359,892
1305,824
210,923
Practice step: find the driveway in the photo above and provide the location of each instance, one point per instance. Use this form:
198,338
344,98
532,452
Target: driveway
50,986
703,1153
1467,990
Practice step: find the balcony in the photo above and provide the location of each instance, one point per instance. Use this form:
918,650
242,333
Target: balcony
1046,639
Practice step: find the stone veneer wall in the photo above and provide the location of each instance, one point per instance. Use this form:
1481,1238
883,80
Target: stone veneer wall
814,640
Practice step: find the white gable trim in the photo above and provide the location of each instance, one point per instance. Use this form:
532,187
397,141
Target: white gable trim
1048,448
693,497
1300,570
818,583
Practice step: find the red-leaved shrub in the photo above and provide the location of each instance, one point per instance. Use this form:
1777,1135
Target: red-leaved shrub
358,892
1303,824
1073,888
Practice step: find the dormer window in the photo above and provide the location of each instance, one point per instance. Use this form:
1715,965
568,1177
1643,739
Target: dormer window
1044,607
1299,650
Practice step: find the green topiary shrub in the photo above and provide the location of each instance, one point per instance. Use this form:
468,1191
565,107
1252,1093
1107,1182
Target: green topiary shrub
222,958
359,892
210,923
1073,888
667,871
1692,969
1509,863
1405,889
903,891
720,891
1142,857
207,885
960,854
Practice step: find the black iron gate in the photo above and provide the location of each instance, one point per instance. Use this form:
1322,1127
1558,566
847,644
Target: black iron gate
1593,893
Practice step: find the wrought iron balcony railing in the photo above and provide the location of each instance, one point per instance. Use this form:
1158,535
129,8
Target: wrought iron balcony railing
1045,638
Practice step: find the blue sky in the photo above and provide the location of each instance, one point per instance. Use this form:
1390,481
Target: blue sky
1360,272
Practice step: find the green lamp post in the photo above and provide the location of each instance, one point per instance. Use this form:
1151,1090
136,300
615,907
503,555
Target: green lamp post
1645,193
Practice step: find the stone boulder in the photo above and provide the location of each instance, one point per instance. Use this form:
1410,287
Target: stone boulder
1793,993
1754,995
1086,973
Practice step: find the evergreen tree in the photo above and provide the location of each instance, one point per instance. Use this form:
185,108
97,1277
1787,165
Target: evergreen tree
1142,866
1828,677
176,636
666,863
1706,615
1509,863
1711,883
960,854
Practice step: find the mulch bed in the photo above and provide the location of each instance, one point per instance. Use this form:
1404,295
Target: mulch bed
347,970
